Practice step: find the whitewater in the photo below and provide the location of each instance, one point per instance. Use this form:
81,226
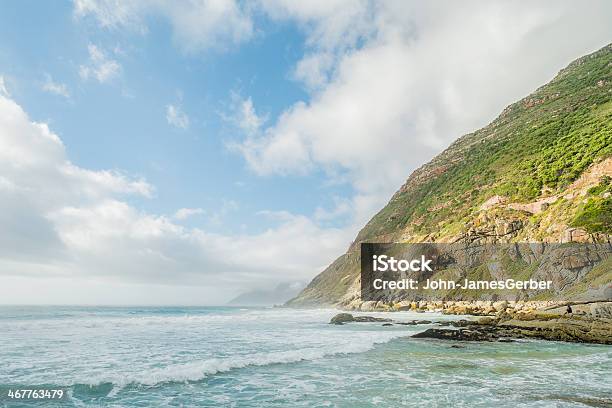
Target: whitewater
261,357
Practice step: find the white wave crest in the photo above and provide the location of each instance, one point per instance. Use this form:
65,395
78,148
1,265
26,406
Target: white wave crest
198,370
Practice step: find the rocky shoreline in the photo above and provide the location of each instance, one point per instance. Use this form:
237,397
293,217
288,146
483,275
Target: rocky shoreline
588,323
555,328
483,307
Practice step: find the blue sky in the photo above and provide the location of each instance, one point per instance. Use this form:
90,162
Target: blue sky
122,124
183,152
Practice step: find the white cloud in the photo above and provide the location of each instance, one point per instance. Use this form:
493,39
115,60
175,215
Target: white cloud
3,89
55,88
111,14
60,222
218,217
242,115
176,117
331,25
99,67
248,120
196,25
314,70
38,180
392,83
184,213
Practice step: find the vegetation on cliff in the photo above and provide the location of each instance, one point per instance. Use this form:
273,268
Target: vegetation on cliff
537,147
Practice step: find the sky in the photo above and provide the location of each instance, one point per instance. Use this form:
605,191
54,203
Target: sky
184,152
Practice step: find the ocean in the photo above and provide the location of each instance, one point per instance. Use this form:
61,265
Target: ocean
273,357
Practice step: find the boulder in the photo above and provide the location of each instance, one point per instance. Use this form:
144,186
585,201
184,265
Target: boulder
450,334
500,306
354,304
602,310
342,318
368,306
487,320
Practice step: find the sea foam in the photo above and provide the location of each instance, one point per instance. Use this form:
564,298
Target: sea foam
198,370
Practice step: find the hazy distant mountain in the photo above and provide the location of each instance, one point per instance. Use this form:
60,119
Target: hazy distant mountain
268,297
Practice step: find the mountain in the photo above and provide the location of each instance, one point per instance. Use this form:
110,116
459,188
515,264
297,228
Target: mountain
268,297
540,172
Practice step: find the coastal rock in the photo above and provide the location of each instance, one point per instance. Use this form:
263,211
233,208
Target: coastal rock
354,304
487,320
461,323
576,329
500,306
460,335
602,310
572,329
368,306
370,319
414,322
342,318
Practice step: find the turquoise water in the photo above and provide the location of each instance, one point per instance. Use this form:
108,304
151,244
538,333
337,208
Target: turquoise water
233,357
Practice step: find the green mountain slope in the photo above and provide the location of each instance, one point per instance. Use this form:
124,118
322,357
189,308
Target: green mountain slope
541,171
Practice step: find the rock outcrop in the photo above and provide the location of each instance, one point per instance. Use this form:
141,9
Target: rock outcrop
588,323
580,329
342,318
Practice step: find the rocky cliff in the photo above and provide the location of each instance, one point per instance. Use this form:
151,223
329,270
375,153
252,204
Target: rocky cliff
540,172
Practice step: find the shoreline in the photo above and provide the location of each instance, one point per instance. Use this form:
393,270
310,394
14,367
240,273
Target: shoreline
505,321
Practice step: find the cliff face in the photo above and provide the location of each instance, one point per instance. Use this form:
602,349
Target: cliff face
540,172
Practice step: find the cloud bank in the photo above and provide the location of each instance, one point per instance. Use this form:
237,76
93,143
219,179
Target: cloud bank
64,221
